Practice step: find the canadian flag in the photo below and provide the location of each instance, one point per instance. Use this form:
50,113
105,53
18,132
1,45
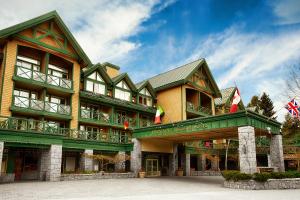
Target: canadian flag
236,100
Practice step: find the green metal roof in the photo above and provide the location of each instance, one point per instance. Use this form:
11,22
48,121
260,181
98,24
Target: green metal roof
180,76
4,33
226,93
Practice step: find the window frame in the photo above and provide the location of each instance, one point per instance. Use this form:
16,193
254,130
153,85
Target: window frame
122,89
95,82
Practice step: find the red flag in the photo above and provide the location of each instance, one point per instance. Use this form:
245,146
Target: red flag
236,100
126,124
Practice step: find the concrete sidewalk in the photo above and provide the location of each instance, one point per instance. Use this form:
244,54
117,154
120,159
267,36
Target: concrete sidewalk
148,188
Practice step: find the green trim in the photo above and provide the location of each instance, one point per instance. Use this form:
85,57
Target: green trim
42,113
83,144
43,18
170,85
100,69
116,102
147,85
127,79
26,145
233,120
41,84
4,66
111,65
35,41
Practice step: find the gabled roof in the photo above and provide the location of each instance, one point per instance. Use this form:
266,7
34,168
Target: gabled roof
125,77
180,76
4,33
226,93
227,96
145,84
97,67
111,65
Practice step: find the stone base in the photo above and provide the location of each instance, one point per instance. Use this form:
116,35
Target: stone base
271,184
206,173
7,178
71,177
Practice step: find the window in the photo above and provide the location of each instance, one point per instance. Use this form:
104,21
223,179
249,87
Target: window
145,97
22,98
28,63
122,91
95,83
57,71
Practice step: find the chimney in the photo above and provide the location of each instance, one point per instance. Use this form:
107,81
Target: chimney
111,70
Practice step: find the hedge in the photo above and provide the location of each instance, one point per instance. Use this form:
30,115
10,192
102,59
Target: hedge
260,177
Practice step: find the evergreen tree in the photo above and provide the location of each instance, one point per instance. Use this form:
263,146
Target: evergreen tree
266,105
254,102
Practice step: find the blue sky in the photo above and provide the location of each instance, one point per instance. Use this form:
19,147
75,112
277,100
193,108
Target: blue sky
253,43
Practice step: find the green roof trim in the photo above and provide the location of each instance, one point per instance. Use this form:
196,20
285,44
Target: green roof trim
146,84
226,97
111,65
97,67
4,33
181,75
126,78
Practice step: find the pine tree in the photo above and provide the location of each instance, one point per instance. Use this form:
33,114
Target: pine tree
254,102
266,105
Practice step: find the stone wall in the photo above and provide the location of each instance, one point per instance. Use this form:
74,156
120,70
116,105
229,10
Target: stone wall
7,178
70,177
206,173
271,184
50,165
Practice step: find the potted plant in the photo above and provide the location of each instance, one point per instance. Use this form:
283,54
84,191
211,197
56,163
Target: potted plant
179,172
142,173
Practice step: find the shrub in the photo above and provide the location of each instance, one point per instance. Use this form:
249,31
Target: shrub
235,176
261,177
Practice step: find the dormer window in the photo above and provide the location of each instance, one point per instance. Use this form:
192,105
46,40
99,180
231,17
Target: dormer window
95,83
145,97
122,91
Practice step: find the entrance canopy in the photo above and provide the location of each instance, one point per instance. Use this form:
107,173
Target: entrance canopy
212,127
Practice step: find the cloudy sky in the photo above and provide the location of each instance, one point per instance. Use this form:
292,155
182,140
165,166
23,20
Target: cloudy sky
250,43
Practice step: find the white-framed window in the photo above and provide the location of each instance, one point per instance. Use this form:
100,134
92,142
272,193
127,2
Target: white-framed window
122,91
95,83
57,71
145,97
28,63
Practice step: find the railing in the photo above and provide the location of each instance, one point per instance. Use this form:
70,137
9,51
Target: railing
43,127
145,122
95,115
131,121
191,107
24,102
43,78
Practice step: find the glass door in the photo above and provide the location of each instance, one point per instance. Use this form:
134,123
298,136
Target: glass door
152,167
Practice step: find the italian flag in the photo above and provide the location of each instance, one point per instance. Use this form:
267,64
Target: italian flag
158,114
236,100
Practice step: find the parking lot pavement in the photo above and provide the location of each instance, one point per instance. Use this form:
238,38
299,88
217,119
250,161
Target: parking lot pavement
149,188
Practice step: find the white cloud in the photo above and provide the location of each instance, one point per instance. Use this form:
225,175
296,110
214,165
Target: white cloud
258,62
287,11
101,27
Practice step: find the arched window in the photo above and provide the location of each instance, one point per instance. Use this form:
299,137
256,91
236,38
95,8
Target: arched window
95,83
122,91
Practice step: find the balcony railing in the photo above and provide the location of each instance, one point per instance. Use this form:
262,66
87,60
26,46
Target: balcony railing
43,78
96,116
43,127
121,121
199,109
34,104
146,122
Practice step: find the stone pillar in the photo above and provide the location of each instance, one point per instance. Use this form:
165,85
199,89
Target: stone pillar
276,152
86,163
187,169
50,164
203,160
1,154
269,160
215,164
136,156
174,160
199,163
247,149
121,161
